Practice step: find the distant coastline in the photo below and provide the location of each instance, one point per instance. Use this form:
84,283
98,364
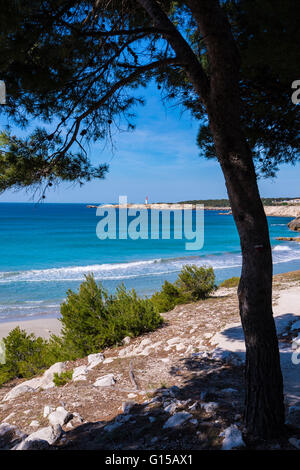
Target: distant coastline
271,211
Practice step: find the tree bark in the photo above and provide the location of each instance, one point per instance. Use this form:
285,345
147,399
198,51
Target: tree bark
264,407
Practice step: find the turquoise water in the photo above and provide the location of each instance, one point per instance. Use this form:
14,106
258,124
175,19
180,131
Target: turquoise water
46,249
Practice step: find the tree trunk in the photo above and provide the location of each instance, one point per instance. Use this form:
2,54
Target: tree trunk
264,408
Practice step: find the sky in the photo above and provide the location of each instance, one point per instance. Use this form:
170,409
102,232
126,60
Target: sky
159,159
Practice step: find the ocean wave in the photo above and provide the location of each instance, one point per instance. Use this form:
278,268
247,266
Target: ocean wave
143,268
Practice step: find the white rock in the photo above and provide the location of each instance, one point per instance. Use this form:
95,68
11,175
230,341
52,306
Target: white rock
108,360
171,408
227,356
47,378
210,406
6,428
17,391
127,405
173,340
178,419
131,395
95,359
44,436
232,438
105,381
44,382
79,372
80,378
47,410
145,342
34,424
59,417
126,340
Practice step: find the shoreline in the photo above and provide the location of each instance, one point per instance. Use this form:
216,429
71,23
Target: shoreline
44,327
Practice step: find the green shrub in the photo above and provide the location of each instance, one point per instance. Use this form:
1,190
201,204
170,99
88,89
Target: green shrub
231,282
196,282
168,297
63,378
26,355
93,320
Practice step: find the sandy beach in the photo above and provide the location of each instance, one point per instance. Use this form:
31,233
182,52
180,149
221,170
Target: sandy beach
40,327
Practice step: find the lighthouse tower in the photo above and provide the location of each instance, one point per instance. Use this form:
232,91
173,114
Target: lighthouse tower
146,200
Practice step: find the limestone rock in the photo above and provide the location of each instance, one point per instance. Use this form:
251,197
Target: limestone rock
40,439
47,410
9,436
232,438
177,420
45,382
94,360
295,224
80,373
59,417
105,381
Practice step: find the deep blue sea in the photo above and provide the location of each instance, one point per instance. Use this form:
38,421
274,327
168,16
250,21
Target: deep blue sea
45,249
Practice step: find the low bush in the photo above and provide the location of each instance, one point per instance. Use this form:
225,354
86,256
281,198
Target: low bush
196,282
63,378
93,320
26,355
168,297
231,282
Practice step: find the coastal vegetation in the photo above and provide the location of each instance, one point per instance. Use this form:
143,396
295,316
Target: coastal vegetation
231,282
93,320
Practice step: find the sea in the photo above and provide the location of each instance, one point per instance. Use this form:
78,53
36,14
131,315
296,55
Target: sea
47,249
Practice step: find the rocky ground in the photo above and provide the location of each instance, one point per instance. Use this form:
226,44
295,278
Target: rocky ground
170,389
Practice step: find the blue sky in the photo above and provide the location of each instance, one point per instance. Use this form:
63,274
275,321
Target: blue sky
159,159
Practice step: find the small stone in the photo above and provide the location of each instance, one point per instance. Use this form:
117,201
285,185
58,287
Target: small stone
59,417
127,405
40,439
126,340
105,381
178,419
34,424
95,359
209,407
108,360
79,373
232,438
47,410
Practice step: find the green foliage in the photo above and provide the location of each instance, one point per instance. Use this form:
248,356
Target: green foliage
63,378
28,162
26,355
196,282
193,283
168,297
93,320
231,282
